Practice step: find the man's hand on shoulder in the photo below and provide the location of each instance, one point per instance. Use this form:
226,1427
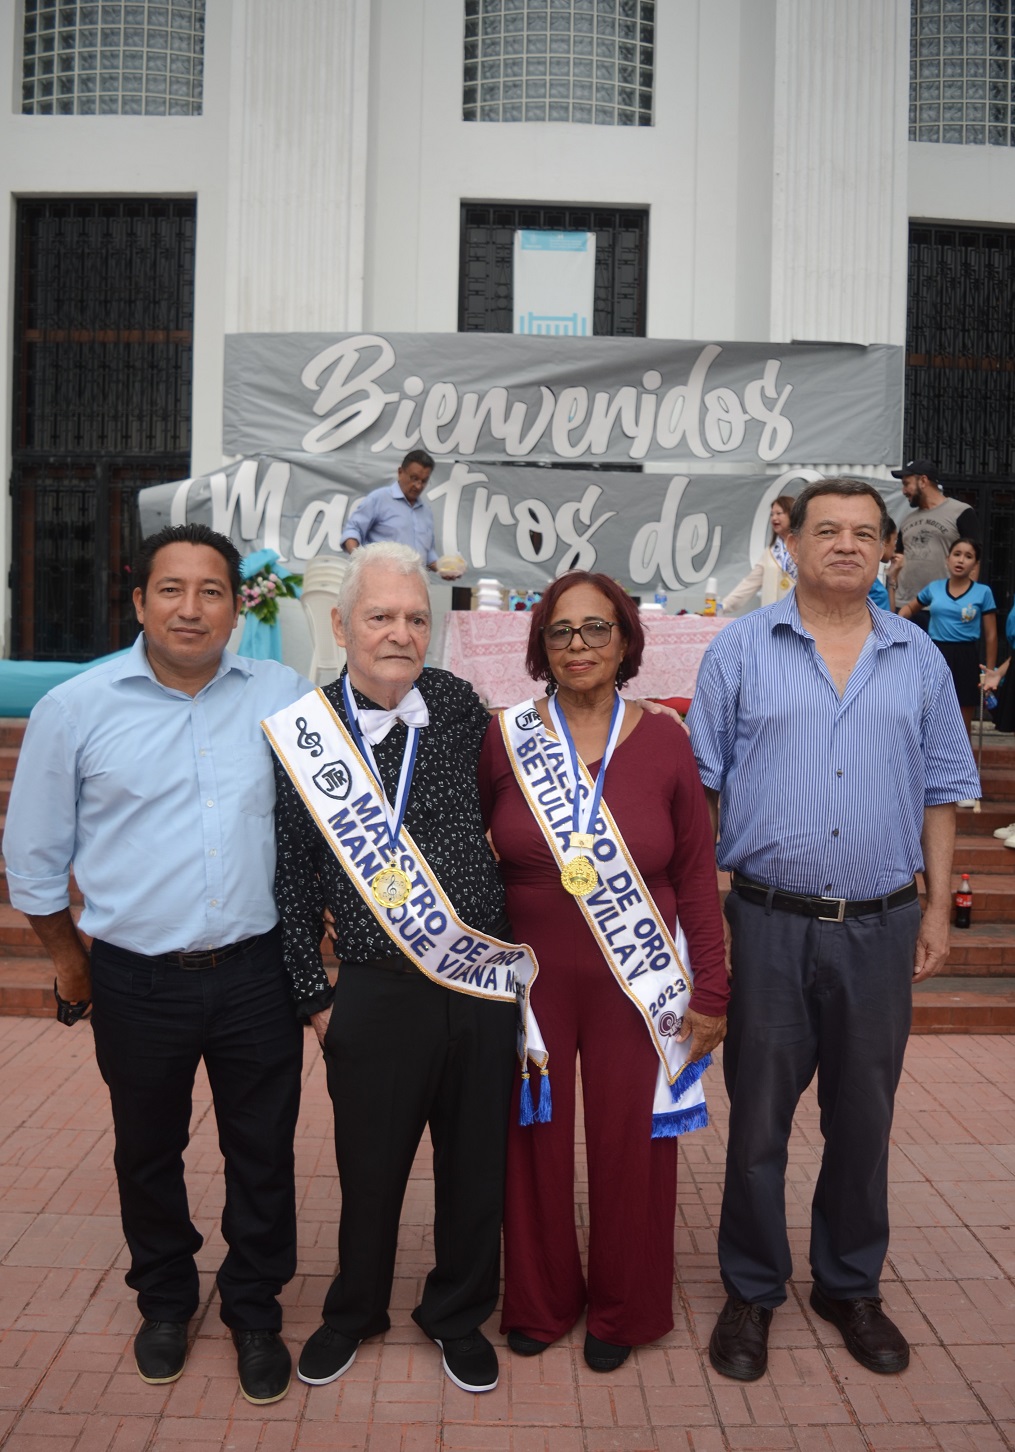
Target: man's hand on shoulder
656,708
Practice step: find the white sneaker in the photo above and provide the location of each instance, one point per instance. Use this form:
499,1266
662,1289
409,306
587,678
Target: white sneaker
969,802
1004,832
1010,841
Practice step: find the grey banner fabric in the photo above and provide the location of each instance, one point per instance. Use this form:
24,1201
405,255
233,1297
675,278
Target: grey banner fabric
493,397
520,525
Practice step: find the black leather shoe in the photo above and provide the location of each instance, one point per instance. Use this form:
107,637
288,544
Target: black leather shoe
160,1351
603,1355
739,1343
264,1364
523,1345
871,1338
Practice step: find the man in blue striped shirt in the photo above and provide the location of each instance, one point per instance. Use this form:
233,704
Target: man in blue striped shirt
832,750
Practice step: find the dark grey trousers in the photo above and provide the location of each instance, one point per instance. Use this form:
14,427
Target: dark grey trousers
835,998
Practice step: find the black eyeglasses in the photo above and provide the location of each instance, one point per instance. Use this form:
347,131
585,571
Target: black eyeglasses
593,632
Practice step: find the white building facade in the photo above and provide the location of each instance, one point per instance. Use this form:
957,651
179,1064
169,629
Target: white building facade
328,152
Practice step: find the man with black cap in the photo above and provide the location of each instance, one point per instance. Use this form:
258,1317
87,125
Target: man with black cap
926,535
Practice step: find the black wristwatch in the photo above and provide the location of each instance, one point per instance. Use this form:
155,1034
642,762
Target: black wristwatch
70,1011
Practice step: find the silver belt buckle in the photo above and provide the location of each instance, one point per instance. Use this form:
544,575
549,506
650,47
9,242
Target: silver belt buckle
840,913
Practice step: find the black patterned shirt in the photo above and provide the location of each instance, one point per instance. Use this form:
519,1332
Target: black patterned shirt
442,815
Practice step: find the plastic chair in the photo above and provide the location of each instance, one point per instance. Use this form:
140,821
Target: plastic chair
322,580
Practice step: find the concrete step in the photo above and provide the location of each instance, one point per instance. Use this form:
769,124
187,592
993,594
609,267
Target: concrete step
949,1005
985,949
26,987
12,730
998,782
977,852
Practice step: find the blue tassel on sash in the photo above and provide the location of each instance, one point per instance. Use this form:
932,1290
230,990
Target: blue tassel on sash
689,1074
681,1121
525,1113
545,1111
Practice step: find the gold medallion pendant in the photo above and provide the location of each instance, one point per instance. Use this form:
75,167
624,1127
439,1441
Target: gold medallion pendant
579,876
391,887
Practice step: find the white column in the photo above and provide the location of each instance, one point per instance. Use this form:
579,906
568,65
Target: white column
839,221
297,165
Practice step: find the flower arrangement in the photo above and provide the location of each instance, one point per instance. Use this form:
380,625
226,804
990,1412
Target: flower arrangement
259,596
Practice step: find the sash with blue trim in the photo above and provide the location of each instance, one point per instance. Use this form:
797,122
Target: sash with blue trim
648,961
344,800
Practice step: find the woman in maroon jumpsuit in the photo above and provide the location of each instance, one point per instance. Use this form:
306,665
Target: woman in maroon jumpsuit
653,792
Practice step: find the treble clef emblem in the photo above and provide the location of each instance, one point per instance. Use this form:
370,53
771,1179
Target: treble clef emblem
308,740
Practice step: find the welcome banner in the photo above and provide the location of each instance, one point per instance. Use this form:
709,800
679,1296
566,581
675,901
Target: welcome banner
488,398
521,525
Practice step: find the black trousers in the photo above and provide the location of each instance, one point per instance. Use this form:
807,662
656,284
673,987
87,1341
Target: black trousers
403,1053
835,998
153,1024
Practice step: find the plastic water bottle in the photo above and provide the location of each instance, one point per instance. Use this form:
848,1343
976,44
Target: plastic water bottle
964,903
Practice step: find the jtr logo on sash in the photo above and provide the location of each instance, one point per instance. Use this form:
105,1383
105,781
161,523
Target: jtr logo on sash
334,780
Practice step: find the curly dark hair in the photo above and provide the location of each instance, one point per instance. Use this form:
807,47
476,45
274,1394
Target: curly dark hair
537,662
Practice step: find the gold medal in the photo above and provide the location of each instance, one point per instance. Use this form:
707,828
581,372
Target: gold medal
391,887
579,877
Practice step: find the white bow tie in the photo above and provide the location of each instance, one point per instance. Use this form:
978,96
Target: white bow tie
411,709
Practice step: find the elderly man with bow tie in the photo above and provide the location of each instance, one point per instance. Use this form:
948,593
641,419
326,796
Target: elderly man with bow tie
378,821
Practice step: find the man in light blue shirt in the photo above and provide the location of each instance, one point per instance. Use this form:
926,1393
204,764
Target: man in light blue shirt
396,512
832,750
151,775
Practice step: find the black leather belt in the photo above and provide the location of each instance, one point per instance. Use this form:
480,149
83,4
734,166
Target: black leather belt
209,958
826,909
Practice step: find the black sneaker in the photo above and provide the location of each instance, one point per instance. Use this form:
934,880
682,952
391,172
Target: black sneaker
470,1361
160,1351
264,1365
326,1356
523,1345
604,1355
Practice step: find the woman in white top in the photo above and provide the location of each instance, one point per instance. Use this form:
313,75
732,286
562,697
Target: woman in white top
775,573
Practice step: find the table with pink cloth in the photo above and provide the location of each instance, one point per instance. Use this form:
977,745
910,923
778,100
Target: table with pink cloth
487,649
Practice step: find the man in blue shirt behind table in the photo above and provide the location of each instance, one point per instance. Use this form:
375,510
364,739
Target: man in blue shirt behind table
396,512
152,774
831,746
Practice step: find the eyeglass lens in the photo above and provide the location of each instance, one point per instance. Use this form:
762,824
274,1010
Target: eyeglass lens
593,632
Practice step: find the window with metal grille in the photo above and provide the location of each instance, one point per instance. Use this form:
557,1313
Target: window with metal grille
119,58
588,61
960,377
962,72
104,305
486,291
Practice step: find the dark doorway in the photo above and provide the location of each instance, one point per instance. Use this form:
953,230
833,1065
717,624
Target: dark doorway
102,408
485,295
960,378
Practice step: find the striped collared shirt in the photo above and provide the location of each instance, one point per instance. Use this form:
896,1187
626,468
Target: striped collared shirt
822,794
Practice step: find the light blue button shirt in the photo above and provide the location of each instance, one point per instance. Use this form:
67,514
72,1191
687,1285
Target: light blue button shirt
385,513
162,801
822,793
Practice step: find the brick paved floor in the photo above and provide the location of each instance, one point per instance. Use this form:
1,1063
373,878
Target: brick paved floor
67,1379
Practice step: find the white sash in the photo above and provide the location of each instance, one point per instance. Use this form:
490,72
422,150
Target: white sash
646,959
347,805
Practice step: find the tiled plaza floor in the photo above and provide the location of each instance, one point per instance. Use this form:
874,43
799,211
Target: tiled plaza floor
67,1379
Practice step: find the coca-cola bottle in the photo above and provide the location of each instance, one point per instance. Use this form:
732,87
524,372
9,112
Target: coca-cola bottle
964,903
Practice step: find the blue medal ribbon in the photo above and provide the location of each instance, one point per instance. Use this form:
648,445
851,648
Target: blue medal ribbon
571,761
394,815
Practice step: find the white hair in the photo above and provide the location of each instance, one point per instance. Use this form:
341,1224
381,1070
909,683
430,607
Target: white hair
399,557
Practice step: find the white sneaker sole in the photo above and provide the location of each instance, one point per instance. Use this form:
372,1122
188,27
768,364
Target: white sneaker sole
326,1380
463,1385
